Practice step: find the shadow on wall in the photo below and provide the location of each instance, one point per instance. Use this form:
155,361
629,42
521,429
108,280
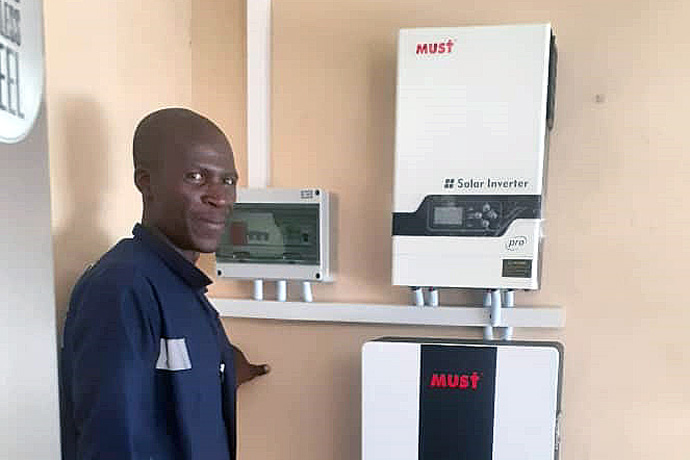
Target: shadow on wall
81,240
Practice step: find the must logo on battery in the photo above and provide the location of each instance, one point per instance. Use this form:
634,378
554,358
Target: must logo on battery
459,381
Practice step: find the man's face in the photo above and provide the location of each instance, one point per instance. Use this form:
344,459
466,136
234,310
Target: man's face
192,193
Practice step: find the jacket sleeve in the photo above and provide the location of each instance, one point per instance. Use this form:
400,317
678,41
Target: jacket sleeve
110,352
228,387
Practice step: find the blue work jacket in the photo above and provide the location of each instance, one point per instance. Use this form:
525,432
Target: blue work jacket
146,371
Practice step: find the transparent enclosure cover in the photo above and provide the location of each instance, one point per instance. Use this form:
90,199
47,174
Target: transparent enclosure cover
271,233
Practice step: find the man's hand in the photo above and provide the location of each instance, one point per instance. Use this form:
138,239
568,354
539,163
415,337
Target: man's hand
244,370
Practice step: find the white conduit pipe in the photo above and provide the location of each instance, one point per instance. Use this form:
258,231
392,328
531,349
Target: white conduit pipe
258,93
258,101
306,291
281,290
417,296
488,330
258,290
508,302
495,307
433,297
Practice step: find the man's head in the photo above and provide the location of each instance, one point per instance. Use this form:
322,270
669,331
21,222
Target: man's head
185,171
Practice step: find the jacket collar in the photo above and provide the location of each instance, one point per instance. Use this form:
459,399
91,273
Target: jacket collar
186,270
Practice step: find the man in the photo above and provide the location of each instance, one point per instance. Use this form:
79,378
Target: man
147,372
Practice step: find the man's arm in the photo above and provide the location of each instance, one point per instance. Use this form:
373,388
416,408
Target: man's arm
244,370
110,350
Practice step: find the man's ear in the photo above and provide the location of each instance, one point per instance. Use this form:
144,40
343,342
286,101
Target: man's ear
142,179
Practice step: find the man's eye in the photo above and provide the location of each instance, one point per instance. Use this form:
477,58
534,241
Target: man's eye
229,181
195,177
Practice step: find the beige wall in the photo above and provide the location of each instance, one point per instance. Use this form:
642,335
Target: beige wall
107,65
615,250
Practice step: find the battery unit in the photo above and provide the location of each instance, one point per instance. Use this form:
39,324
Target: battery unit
430,399
474,110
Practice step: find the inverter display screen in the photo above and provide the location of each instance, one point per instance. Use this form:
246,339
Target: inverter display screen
448,215
272,233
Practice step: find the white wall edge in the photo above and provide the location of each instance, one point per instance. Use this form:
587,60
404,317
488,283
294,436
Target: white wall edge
258,92
522,316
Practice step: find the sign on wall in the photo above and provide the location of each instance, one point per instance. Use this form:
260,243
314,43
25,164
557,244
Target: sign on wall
29,418
21,67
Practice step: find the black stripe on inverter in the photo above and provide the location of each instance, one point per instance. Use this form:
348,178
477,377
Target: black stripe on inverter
456,414
466,215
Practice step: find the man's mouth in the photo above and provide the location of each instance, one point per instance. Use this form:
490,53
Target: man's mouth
216,224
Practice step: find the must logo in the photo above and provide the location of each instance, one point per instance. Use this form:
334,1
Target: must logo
459,381
444,47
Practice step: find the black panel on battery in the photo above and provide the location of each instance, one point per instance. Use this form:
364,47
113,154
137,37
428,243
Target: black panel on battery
456,415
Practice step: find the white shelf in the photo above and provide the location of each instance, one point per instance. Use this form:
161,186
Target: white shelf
522,316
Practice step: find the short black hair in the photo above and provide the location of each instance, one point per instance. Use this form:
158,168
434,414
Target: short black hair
167,131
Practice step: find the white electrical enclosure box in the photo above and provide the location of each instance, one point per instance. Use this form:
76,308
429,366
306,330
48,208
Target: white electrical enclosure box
474,110
278,234
430,399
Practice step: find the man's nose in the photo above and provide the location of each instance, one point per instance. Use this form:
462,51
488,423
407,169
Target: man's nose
219,195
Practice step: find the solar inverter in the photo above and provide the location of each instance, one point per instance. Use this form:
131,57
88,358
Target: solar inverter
474,110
